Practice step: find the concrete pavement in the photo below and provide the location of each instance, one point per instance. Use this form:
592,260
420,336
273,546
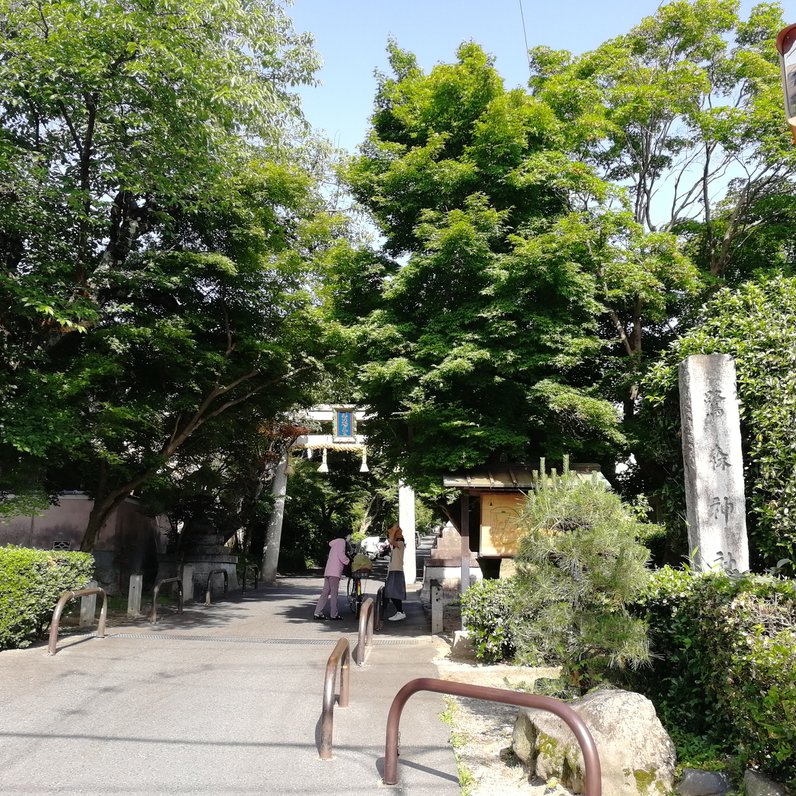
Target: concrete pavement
225,699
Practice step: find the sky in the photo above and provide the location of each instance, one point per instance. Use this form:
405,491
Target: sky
351,37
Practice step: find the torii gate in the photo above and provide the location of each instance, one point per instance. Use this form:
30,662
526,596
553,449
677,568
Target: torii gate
344,437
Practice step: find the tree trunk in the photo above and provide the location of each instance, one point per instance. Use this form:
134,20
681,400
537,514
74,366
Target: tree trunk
372,510
273,534
100,511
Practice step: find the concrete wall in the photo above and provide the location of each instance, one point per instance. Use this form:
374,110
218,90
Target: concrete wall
61,526
128,542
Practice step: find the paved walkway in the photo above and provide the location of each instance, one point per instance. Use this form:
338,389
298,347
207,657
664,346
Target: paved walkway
225,699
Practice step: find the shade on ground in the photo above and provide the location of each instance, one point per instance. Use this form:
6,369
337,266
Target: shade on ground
223,699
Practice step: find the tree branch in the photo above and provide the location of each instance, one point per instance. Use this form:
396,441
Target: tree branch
614,315
75,137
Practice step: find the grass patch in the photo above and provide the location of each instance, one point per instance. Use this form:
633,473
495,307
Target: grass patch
457,741
448,716
466,779
696,752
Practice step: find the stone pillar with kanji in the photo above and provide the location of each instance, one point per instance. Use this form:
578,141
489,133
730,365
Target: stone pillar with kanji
714,487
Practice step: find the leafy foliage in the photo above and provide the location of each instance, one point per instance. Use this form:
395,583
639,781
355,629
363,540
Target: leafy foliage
579,566
757,326
681,116
668,109
481,342
155,242
31,581
488,614
724,662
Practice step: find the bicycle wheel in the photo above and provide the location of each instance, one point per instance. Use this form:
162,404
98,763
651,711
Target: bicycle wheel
359,597
353,589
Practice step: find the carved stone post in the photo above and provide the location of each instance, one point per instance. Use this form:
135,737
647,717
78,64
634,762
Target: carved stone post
714,487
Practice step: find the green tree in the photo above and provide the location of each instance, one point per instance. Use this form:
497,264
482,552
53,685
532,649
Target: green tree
580,565
155,242
482,341
222,476
683,113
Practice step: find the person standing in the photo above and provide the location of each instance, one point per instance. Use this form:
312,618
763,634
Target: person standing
395,588
335,563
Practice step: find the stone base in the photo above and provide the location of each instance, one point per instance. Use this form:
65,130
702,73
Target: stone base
462,648
449,577
637,757
203,565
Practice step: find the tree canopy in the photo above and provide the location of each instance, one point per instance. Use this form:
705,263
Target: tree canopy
158,223
173,278
479,344
684,114
554,242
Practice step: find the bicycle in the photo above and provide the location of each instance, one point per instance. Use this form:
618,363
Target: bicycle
355,591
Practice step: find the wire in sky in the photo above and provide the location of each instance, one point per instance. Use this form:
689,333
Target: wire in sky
525,35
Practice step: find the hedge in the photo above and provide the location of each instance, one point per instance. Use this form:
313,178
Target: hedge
31,581
724,665
488,615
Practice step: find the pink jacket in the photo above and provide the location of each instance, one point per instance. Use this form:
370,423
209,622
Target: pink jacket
337,559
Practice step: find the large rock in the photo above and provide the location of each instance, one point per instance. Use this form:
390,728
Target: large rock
695,782
758,785
637,757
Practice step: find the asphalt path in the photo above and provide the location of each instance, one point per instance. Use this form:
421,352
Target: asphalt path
223,699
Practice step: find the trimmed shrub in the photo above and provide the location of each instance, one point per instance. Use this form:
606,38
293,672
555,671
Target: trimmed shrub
579,567
31,581
724,663
488,615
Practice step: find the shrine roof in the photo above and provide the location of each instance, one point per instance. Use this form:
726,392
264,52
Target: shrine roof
506,477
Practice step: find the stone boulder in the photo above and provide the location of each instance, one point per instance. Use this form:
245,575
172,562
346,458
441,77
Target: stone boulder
637,757
695,782
756,784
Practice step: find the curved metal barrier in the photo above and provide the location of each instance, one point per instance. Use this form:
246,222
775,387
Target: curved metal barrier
341,654
153,617
59,608
556,706
256,575
210,577
367,614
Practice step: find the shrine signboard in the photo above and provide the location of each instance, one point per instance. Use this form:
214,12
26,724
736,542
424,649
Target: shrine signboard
344,425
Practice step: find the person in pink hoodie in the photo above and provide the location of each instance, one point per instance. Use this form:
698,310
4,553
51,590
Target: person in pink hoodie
331,578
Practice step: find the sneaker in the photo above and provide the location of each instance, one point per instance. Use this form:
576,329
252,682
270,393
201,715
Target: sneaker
319,616
335,617
398,617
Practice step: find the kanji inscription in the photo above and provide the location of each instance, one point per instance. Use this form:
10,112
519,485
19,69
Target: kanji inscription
715,503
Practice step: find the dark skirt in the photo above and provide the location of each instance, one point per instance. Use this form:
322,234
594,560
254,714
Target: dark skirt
395,588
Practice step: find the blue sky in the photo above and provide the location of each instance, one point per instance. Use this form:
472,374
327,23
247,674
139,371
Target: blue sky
351,36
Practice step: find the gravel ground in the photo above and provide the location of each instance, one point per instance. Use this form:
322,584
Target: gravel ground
481,731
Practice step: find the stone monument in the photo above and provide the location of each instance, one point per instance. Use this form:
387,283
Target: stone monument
714,488
203,550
